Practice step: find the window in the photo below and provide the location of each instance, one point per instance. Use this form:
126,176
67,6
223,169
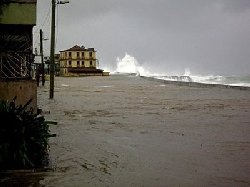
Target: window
78,63
69,54
70,64
82,63
82,54
90,54
90,63
77,54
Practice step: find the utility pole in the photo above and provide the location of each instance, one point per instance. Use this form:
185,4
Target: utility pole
52,51
41,53
52,47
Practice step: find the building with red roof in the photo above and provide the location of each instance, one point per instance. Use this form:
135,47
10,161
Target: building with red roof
80,61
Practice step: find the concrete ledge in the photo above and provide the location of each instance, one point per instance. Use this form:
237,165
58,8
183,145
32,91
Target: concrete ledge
195,84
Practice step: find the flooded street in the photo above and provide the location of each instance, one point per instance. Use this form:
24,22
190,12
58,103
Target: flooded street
130,131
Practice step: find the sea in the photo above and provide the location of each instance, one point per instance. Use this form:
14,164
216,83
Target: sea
129,65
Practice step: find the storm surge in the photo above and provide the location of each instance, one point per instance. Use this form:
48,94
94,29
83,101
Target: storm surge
130,66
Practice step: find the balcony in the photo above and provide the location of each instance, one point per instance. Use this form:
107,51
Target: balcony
84,70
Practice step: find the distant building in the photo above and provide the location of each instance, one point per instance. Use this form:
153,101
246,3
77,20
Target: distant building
57,64
79,61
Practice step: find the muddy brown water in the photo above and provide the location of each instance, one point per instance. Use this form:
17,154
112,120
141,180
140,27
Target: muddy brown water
130,131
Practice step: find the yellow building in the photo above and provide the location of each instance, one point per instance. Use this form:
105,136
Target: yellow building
79,61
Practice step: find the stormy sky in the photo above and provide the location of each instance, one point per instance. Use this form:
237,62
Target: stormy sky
208,37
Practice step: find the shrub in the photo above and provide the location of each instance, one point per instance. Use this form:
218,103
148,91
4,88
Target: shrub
24,137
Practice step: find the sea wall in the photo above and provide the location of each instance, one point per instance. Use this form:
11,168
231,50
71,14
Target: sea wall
195,84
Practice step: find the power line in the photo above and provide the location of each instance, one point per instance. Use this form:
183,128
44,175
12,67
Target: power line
42,26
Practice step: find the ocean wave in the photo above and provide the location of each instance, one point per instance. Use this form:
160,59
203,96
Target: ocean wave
128,65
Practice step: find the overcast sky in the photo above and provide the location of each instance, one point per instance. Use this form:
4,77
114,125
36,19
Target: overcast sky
206,36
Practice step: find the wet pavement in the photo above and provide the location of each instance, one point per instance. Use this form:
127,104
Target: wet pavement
130,131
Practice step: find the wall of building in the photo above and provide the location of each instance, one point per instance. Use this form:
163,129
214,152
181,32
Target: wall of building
23,89
82,63
82,55
17,13
17,18
76,59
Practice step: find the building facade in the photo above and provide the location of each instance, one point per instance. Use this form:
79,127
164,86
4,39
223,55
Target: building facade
17,19
79,61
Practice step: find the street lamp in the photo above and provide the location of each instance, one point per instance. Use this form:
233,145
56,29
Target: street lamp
52,47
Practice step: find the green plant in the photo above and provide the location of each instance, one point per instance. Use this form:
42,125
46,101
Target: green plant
24,137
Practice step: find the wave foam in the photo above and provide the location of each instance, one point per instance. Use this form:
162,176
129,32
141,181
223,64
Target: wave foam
129,65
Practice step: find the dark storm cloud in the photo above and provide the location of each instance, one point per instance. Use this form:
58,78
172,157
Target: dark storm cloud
168,35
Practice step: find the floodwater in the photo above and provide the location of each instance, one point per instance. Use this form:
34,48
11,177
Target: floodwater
129,131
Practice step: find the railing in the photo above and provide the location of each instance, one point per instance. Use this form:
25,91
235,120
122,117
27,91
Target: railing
77,58
15,65
16,55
